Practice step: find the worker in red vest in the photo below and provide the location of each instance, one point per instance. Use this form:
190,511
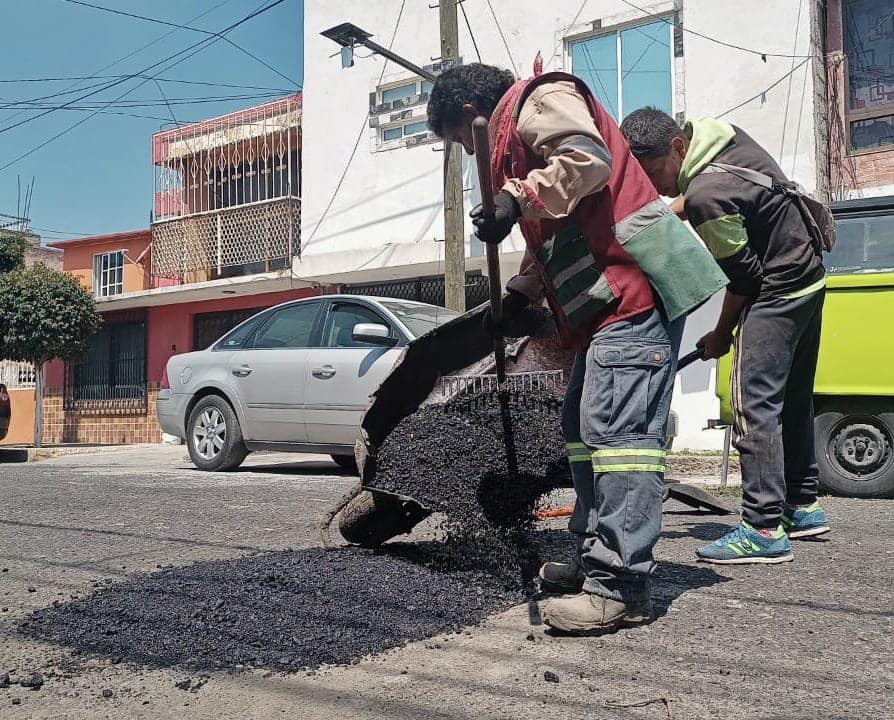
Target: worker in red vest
619,271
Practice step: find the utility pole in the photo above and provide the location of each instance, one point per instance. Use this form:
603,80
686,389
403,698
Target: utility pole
454,225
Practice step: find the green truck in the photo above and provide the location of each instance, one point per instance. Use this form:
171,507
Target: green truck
854,390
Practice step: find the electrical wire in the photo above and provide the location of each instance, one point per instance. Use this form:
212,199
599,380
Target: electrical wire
159,79
360,134
503,36
788,93
200,45
140,49
469,26
195,48
183,27
154,103
759,53
766,89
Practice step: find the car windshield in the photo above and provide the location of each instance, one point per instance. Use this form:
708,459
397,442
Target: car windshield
864,245
419,318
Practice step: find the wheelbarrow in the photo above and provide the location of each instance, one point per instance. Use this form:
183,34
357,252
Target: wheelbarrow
438,367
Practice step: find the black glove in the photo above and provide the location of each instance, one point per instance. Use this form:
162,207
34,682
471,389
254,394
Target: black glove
494,229
514,306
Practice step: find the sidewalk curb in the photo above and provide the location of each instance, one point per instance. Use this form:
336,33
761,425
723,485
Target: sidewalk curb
16,454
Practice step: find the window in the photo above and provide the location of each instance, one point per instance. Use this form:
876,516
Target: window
397,110
628,69
108,274
864,245
112,374
290,327
869,46
339,330
208,327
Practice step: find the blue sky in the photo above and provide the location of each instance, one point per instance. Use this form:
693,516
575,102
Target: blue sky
98,178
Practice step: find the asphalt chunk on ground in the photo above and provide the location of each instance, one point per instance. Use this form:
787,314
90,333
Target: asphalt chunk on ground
300,609
284,611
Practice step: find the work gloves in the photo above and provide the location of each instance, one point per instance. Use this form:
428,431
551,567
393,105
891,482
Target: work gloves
494,229
520,318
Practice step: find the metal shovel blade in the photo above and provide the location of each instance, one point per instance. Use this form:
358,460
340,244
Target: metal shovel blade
696,497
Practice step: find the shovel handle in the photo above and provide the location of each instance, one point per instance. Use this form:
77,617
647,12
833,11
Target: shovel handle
689,358
485,182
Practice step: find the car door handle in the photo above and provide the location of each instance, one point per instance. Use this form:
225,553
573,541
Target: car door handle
324,373
242,371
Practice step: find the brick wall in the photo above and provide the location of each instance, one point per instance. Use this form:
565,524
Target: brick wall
104,428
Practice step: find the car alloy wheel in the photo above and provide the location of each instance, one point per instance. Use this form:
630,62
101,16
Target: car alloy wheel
210,433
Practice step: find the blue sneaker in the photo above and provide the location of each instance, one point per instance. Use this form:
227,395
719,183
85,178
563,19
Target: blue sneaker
743,545
804,522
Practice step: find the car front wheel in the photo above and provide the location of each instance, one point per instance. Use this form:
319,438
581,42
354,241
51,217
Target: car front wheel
214,435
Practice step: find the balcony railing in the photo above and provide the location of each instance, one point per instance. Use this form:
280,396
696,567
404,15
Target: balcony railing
241,240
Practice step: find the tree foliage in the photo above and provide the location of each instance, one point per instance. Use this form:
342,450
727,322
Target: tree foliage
44,314
12,251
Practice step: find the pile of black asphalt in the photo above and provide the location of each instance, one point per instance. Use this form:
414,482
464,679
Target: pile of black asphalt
295,610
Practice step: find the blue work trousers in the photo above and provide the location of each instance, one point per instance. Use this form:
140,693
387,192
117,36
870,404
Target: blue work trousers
614,421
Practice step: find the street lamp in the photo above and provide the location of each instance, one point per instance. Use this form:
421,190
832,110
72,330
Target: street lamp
348,36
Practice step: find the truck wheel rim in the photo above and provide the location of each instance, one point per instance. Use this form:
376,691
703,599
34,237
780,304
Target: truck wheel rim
209,433
861,449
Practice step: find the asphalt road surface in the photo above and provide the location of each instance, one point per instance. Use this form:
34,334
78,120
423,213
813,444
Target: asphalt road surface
810,639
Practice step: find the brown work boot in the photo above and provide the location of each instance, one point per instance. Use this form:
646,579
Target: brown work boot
589,614
561,577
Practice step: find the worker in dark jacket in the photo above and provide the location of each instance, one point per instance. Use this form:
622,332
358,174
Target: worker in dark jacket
775,298
563,171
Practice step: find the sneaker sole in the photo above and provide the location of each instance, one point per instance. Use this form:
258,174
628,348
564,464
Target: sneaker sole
749,560
809,532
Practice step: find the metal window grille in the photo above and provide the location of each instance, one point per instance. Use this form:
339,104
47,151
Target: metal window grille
108,274
227,194
111,376
17,375
425,289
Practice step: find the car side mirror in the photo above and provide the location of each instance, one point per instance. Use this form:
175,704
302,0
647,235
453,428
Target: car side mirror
373,333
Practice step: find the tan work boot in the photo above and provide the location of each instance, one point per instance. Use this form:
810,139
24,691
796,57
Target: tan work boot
561,577
586,613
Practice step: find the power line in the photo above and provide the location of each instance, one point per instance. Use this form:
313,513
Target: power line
206,42
503,36
363,128
759,53
159,79
788,93
144,47
154,103
462,7
183,27
195,48
766,89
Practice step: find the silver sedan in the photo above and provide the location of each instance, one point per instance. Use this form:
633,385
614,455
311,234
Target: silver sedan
296,377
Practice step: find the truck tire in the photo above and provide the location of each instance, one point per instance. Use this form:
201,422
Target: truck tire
371,518
855,449
214,436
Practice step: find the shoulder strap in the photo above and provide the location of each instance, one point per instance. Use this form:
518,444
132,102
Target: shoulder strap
752,176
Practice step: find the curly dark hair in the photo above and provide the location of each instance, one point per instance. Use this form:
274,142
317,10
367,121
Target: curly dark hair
649,132
474,84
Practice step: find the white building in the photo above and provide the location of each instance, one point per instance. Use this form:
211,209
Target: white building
372,204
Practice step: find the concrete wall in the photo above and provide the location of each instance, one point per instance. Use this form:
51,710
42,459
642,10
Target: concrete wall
386,217
78,259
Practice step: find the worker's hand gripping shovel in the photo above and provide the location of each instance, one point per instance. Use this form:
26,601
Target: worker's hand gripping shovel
485,182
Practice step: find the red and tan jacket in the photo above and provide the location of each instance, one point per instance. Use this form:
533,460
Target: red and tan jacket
597,245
